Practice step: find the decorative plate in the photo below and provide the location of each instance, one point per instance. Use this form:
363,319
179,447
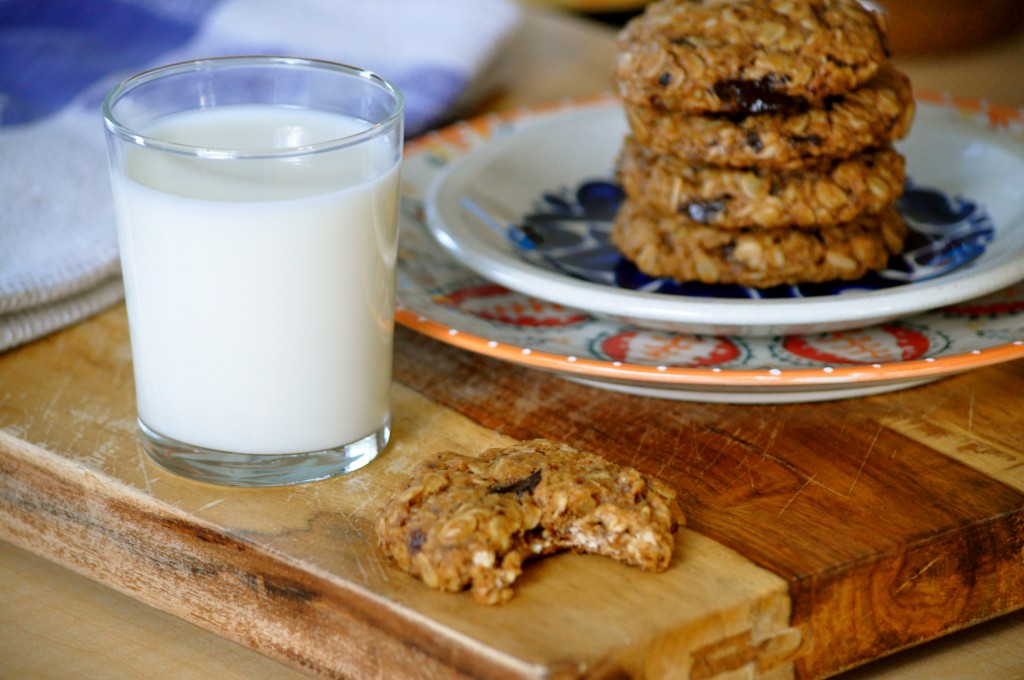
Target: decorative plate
443,298
531,208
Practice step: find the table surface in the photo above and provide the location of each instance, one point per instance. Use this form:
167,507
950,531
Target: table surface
56,624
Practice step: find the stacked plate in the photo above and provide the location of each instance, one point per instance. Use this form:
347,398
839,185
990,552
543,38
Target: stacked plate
504,252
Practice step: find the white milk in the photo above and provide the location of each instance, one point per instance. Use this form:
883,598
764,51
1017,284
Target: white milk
261,319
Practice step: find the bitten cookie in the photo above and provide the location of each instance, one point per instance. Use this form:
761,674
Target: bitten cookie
747,56
871,116
829,192
673,246
460,521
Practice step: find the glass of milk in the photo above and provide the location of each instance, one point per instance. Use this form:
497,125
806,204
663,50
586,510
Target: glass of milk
257,215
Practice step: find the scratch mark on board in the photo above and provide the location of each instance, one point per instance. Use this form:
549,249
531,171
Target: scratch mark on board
742,467
58,392
673,453
773,435
356,536
871,447
211,504
669,463
918,574
799,491
803,475
143,461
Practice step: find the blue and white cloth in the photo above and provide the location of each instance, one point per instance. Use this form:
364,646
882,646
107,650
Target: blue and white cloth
58,245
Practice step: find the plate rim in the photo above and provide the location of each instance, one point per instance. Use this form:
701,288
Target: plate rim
745,317
817,378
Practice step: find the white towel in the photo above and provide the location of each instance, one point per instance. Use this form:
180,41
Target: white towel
58,244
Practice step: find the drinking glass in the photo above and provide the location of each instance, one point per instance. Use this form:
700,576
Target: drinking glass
257,214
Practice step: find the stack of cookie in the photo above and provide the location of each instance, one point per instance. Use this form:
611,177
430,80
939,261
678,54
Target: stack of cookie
761,139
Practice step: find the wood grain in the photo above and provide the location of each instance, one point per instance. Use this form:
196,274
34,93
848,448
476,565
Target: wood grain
293,572
57,624
845,533
884,540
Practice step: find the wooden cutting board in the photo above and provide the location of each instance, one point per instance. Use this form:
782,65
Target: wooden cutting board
819,537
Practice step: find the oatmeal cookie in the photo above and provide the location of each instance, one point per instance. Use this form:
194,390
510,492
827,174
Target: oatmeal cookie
460,521
870,116
747,56
662,244
829,192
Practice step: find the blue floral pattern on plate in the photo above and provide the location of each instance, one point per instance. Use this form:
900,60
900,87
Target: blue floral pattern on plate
568,232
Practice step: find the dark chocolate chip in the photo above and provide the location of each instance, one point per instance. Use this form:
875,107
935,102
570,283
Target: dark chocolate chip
734,117
757,96
754,141
519,486
813,140
416,541
831,101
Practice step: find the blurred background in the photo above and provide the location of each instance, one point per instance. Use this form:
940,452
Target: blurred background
916,26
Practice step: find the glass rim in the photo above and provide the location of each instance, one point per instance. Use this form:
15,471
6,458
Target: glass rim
115,126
